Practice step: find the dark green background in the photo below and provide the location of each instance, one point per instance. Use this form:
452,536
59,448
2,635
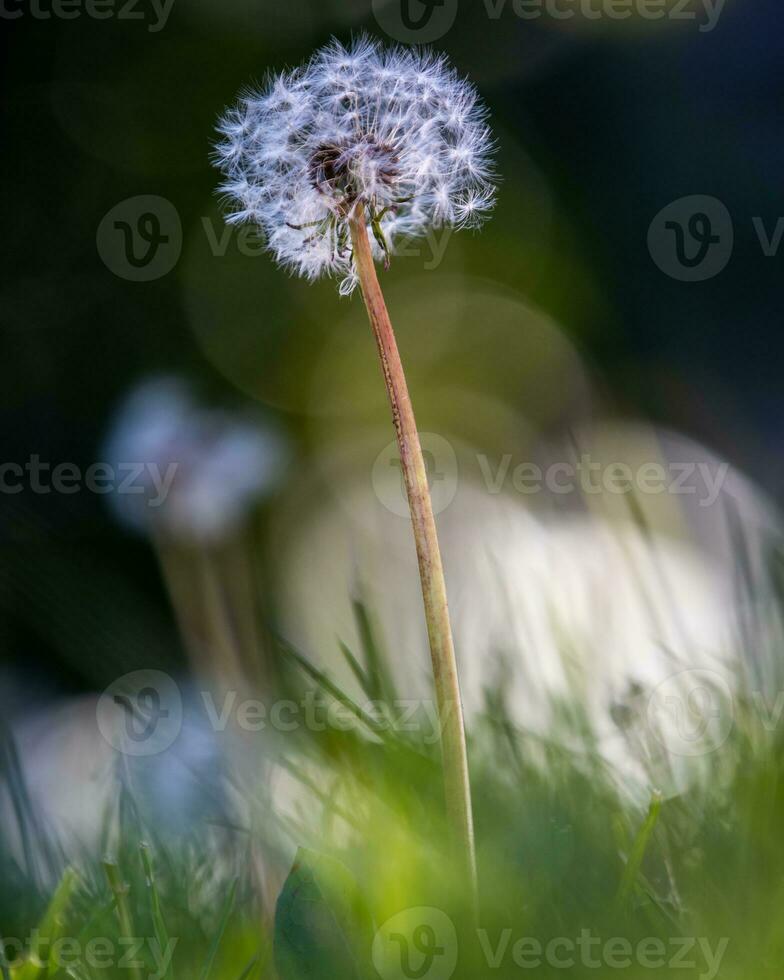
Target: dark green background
618,122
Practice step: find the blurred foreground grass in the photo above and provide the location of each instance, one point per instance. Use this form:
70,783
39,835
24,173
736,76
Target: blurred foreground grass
574,877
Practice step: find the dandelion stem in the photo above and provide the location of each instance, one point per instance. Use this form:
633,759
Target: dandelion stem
457,789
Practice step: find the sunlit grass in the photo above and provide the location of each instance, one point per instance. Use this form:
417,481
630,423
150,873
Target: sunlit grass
568,865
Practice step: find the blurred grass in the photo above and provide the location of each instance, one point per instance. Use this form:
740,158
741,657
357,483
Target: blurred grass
561,850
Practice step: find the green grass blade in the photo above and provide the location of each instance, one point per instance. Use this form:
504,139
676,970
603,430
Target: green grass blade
228,906
119,889
4,969
50,929
637,853
332,689
159,925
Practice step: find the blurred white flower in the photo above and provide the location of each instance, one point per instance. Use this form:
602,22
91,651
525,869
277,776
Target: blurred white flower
191,472
637,628
72,774
395,130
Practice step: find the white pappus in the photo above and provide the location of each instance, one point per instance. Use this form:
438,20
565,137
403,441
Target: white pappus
394,130
194,472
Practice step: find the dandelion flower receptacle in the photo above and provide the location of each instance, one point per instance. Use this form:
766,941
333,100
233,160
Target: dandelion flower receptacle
336,162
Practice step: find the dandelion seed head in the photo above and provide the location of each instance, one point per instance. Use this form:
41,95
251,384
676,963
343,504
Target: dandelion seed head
394,130
213,464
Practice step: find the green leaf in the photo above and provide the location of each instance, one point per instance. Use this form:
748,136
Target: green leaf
322,928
